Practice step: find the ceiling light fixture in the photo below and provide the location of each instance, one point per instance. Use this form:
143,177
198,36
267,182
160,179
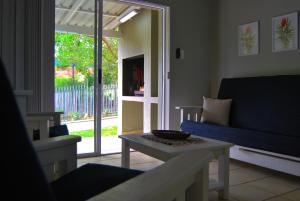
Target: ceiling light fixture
128,16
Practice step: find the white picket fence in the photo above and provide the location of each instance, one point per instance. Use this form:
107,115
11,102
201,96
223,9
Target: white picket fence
77,101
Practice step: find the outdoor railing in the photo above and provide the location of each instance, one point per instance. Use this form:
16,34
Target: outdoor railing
77,101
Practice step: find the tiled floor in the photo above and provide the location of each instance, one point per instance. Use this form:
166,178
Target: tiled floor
247,182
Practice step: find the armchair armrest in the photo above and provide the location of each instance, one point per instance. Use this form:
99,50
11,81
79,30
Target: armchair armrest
54,115
56,142
57,155
183,175
192,113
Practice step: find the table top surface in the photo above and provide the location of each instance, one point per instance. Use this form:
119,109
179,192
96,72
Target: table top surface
208,144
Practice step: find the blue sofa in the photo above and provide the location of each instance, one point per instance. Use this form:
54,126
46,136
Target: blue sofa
265,114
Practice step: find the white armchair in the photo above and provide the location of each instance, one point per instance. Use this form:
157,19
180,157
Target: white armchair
41,121
183,178
57,155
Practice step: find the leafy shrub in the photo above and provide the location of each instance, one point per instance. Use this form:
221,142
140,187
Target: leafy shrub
63,81
75,115
79,80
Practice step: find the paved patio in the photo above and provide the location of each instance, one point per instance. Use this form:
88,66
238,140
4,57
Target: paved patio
89,124
109,144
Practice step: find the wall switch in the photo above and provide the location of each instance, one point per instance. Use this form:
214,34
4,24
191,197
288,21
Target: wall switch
179,53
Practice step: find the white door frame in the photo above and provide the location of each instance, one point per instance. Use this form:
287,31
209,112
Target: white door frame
164,81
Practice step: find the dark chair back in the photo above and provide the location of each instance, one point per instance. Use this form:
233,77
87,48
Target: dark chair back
22,177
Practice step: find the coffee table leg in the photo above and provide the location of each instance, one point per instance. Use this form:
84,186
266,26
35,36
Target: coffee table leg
125,154
223,174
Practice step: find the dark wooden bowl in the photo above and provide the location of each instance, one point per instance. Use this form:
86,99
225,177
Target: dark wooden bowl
171,134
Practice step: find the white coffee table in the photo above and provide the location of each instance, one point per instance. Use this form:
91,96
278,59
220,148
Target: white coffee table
219,149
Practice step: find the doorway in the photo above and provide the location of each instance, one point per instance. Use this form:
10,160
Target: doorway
88,77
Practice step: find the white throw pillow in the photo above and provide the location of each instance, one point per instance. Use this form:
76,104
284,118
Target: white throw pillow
216,111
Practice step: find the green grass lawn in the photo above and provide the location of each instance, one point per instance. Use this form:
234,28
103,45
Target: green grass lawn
106,131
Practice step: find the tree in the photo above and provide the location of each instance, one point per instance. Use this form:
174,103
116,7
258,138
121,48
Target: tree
110,60
78,50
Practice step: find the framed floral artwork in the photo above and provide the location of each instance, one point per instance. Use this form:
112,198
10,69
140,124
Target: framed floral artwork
285,32
248,39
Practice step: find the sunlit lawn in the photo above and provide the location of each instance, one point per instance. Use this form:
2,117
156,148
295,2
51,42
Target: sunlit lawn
106,131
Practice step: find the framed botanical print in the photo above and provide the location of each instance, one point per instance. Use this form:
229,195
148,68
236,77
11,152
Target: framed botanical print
248,39
285,32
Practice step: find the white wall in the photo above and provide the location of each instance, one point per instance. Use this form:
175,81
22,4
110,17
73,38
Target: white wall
192,29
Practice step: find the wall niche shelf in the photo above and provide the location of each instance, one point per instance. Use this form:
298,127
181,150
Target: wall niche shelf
140,99
133,76
133,98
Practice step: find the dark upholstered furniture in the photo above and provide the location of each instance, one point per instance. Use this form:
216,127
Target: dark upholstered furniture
90,180
22,177
58,130
265,114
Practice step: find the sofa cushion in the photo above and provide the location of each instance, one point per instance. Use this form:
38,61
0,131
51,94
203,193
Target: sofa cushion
249,138
90,180
216,111
269,104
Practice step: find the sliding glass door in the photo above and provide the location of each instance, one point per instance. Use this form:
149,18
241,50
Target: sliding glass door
94,49
78,53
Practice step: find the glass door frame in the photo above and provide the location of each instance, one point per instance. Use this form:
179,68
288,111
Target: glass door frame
98,75
97,80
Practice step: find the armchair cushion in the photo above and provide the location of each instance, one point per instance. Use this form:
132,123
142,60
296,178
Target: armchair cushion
90,180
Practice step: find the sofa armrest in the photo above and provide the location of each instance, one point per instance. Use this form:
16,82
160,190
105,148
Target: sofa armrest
192,113
183,175
189,107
